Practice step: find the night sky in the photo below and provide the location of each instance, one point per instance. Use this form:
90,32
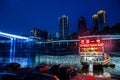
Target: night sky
21,16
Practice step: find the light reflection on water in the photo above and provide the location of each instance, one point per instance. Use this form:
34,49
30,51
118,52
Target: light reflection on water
66,60
116,70
73,60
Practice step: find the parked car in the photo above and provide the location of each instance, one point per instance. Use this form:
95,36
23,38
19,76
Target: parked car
63,72
66,72
54,69
40,76
42,68
11,66
1,66
8,76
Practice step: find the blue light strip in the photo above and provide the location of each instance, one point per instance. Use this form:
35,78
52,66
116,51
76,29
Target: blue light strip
11,50
13,36
13,39
14,47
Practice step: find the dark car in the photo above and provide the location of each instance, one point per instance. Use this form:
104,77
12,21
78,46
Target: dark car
42,68
66,72
8,76
54,69
11,66
40,76
1,66
63,72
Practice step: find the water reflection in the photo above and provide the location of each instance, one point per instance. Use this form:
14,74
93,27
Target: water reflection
73,60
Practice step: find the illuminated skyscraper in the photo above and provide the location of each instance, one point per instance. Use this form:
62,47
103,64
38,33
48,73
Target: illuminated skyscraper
95,23
101,20
81,26
64,27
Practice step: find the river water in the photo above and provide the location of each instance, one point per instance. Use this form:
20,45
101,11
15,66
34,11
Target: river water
72,60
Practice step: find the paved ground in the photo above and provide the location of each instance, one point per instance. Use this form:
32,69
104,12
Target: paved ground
84,77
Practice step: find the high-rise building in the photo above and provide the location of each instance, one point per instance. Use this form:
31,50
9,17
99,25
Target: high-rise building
101,20
81,26
39,34
36,33
95,23
64,27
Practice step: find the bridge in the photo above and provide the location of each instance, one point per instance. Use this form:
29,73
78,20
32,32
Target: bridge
13,39
104,37
109,38
110,43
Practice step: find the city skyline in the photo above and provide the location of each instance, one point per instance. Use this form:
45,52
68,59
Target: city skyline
20,16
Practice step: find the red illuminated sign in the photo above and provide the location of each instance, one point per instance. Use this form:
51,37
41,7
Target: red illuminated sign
82,41
91,49
90,41
98,40
91,45
87,41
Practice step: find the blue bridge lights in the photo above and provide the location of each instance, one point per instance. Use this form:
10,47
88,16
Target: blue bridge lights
13,40
12,36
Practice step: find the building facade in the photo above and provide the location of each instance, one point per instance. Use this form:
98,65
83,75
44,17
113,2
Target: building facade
40,34
101,20
36,33
63,27
81,26
95,23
